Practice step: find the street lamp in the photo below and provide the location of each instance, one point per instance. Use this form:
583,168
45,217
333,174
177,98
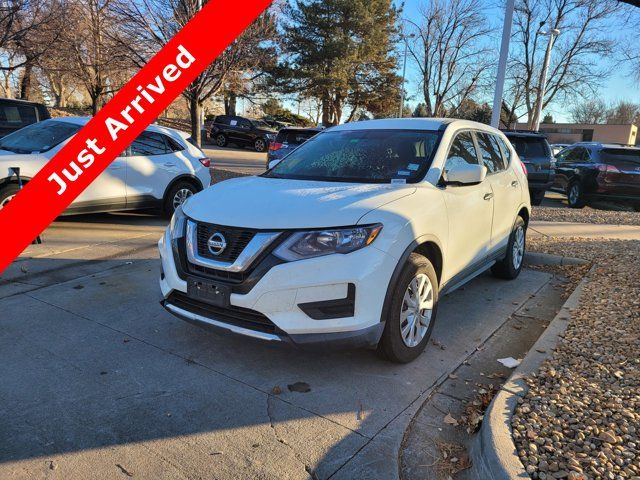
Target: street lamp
553,33
404,71
502,63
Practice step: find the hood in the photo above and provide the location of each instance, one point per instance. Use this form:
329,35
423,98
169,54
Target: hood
271,203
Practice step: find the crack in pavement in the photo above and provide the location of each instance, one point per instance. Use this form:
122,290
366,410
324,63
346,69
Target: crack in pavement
281,440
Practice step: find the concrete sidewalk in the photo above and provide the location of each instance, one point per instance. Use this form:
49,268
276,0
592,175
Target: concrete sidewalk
584,230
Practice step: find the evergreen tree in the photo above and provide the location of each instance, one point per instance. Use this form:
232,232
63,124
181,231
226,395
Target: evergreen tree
341,52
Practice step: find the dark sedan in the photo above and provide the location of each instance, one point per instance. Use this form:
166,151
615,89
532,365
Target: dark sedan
599,171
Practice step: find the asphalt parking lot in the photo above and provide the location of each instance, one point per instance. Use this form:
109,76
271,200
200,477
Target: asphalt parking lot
99,381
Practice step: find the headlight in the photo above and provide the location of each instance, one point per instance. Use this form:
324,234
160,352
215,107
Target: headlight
178,222
325,242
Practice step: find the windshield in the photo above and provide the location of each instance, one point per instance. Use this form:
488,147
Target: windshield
39,137
366,156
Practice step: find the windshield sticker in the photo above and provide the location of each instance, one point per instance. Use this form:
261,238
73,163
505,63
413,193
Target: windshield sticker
404,173
413,167
398,181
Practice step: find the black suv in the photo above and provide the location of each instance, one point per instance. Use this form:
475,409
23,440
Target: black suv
288,139
15,114
599,171
242,132
535,152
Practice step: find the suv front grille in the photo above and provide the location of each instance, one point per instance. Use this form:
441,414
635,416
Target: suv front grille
237,239
237,316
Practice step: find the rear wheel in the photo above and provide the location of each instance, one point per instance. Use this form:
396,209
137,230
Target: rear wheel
412,312
260,145
7,193
177,195
536,197
511,265
220,140
575,197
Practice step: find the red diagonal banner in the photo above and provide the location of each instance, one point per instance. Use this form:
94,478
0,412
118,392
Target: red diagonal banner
121,120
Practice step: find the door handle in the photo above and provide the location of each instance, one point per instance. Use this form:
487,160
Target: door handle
488,196
514,183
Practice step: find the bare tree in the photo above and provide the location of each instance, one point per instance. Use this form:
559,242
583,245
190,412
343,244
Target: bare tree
592,111
449,52
624,113
147,25
577,67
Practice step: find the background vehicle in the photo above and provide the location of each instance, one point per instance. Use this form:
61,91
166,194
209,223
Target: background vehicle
160,169
287,140
556,148
242,132
351,239
599,171
15,114
534,151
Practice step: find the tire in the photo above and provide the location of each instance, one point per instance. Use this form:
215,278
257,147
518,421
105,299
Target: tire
260,145
176,196
511,265
220,140
7,193
394,345
575,196
537,196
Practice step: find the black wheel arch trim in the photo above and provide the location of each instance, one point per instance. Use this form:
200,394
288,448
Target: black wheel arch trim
400,265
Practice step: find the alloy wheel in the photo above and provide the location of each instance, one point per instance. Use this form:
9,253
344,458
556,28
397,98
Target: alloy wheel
6,201
260,145
416,310
518,247
221,141
181,196
574,192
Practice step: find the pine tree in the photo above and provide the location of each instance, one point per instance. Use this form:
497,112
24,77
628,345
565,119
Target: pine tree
341,52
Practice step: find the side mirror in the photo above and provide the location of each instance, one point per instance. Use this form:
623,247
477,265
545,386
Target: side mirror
273,163
465,174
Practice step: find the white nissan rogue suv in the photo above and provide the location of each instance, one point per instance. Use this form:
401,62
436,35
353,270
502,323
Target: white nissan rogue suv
352,238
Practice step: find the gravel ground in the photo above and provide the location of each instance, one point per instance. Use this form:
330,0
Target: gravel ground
585,215
581,416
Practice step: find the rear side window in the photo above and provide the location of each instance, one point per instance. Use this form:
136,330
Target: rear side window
530,146
149,144
490,151
614,155
18,115
462,152
222,119
294,137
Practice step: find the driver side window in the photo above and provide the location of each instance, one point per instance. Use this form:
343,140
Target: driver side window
462,151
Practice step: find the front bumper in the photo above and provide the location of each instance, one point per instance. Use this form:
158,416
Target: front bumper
280,306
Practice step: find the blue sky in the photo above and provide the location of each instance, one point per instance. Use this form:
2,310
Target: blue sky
620,86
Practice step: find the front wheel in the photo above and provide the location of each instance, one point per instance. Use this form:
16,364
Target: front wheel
412,311
220,140
511,265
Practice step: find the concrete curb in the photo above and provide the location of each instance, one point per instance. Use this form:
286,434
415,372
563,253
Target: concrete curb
533,258
493,452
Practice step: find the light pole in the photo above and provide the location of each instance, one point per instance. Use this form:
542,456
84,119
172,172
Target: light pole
502,63
553,33
404,72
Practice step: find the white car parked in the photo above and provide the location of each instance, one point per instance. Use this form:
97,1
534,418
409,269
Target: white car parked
353,237
160,169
